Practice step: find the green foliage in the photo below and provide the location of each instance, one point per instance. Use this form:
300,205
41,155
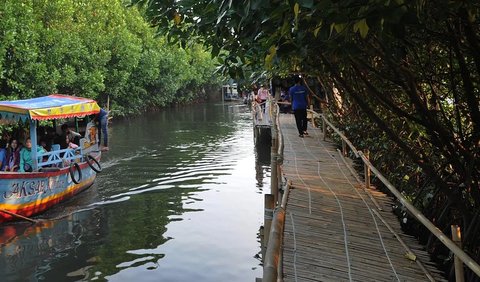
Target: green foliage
98,49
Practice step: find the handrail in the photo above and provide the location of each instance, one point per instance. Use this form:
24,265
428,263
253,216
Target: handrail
427,223
280,137
464,257
272,255
54,156
273,266
355,151
262,115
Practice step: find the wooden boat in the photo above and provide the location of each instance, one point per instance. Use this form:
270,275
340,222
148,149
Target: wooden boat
56,175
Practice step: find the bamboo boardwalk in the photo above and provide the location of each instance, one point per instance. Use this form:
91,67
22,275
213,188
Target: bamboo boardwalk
333,230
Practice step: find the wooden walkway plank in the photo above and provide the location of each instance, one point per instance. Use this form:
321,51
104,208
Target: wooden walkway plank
331,232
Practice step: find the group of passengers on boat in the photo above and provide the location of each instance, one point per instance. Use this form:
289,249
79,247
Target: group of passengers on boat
15,155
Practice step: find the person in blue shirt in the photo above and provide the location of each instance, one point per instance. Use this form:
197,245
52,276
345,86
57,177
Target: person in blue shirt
299,95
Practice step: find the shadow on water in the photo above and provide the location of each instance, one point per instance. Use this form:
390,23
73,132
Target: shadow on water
263,146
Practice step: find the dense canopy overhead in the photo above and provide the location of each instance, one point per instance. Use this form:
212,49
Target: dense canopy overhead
406,74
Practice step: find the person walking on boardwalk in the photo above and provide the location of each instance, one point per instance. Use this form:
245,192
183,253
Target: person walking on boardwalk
299,95
262,96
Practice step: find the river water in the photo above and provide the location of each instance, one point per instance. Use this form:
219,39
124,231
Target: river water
180,198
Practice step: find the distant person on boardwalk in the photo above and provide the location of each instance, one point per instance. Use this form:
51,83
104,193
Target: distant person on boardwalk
103,124
262,96
299,95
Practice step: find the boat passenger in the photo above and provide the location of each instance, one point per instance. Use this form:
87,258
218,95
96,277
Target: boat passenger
72,135
3,155
69,143
26,163
13,156
51,137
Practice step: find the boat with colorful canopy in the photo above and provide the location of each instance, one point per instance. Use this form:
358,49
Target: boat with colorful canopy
56,175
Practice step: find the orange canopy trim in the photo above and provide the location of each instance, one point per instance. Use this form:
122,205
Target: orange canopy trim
49,107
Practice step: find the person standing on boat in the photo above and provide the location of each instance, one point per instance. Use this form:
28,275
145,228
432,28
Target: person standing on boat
103,124
299,96
26,163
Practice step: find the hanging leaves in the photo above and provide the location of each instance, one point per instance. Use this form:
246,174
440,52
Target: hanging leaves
361,27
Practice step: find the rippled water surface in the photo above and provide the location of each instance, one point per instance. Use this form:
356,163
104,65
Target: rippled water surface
180,198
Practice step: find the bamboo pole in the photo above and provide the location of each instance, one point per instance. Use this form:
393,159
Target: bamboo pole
272,256
18,216
344,148
263,246
324,129
367,170
312,116
457,238
354,150
280,146
268,216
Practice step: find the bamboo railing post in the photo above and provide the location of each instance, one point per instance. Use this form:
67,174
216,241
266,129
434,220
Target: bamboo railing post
273,172
344,148
267,221
263,246
457,238
312,116
367,169
324,129
274,249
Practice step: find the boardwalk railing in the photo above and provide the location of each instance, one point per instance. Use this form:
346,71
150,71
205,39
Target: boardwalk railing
459,253
272,261
262,113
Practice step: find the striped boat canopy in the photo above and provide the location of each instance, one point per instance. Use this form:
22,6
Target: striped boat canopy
49,107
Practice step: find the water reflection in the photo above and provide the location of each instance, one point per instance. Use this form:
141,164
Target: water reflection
46,244
262,160
180,193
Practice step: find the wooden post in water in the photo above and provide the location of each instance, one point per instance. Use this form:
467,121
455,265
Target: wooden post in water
367,169
267,221
263,246
457,238
274,171
273,160
272,262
